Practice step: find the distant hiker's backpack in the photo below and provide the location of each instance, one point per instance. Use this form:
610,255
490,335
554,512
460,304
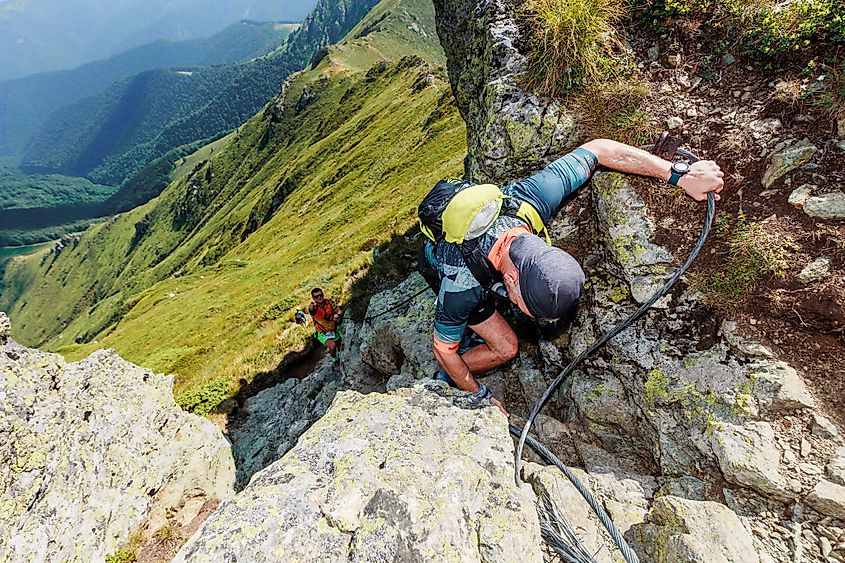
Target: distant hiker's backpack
460,212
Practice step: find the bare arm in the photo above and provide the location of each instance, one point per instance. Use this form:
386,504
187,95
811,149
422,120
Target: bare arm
704,176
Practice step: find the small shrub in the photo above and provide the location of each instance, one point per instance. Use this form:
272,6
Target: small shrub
758,28
279,309
571,42
203,400
753,253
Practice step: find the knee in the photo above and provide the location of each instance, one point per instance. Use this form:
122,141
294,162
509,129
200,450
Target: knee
508,349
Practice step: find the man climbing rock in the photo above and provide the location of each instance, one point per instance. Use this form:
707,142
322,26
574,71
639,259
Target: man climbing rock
325,316
484,240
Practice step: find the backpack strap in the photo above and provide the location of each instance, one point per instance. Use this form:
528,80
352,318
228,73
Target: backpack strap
480,266
519,209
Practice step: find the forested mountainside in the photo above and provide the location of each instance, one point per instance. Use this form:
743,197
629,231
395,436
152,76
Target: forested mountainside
26,102
110,137
46,35
199,281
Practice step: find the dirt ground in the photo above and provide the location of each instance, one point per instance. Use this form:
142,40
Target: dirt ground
732,118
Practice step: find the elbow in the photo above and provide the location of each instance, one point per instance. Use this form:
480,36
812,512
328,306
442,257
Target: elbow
602,148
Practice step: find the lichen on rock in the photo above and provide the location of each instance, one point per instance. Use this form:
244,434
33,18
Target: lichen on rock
417,474
510,132
95,451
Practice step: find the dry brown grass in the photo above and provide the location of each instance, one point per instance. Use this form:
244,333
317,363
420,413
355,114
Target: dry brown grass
615,110
571,43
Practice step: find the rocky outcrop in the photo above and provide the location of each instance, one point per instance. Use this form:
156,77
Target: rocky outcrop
273,420
673,404
418,474
95,451
509,131
384,343
687,531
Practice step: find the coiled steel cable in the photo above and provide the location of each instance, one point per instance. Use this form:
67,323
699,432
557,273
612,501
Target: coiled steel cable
614,532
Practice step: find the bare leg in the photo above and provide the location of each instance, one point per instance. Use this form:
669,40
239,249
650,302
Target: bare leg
500,345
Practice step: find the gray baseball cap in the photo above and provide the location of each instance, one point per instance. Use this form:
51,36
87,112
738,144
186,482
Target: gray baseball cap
550,280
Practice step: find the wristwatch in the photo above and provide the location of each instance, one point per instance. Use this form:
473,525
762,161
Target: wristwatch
678,170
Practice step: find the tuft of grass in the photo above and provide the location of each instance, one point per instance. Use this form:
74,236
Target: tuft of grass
615,110
831,99
571,43
753,254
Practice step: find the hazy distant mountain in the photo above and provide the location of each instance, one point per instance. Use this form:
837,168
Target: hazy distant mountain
26,102
111,136
43,35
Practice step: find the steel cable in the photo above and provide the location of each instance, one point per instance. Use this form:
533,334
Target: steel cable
523,436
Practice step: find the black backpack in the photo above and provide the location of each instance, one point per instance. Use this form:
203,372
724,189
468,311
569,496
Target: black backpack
461,212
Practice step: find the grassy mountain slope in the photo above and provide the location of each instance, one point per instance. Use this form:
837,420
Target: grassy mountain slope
26,102
202,281
110,138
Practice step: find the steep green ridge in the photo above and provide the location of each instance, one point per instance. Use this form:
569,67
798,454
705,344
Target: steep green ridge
201,280
110,137
26,102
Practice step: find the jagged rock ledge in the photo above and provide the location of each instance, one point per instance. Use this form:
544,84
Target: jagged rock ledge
418,474
96,451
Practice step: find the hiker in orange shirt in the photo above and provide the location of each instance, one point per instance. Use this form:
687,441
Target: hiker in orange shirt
325,316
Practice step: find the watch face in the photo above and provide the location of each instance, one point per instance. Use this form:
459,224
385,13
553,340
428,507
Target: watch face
680,167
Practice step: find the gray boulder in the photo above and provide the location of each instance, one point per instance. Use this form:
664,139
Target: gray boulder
550,483
686,531
827,206
275,418
748,457
629,231
398,342
417,474
510,132
778,387
836,467
815,271
788,160
828,498
95,451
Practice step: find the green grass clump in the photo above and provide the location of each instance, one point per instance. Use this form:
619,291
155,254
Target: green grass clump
202,401
753,254
570,43
831,99
757,28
